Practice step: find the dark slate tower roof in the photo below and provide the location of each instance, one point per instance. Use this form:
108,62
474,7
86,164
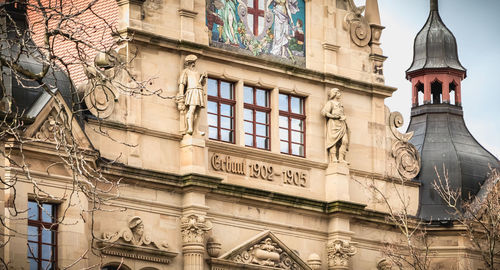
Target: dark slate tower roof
435,46
440,133
442,138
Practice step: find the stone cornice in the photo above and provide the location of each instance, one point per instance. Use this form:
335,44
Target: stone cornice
135,128
216,54
214,185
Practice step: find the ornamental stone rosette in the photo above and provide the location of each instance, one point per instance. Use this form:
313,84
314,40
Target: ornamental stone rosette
339,252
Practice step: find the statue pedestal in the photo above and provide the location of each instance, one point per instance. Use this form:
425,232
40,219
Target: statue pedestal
337,182
193,155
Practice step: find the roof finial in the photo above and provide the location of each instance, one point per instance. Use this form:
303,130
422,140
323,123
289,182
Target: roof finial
434,5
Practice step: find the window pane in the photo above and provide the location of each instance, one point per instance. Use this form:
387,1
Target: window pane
225,90
212,120
33,250
250,3
248,140
261,24
297,150
262,143
261,97
283,102
32,233
46,265
212,107
261,130
32,211
226,122
248,115
47,213
47,236
261,117
297,137
47,252
296,105
297,124
212,87
283,122
250,22
283,134
284,147
248,95
33,264
226,135
248,127
226,110
212,133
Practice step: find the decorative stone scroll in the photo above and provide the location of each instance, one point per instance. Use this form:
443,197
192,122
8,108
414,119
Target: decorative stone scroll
357,25
339,251
133,242
99,91
406,156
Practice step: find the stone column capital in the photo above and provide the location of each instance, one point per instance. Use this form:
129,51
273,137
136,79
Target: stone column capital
339,252
194,228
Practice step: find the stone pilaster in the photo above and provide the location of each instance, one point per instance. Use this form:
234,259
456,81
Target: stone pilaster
337,182
187,14
193,155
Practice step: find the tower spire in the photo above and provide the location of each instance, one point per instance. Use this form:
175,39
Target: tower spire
434,5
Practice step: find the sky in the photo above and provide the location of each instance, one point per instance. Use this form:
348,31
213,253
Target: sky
476,26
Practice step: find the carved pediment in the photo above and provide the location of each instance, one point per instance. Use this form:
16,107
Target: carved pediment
133,242
55,123
264,251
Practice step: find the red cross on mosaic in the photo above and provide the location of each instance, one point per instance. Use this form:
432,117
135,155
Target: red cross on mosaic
256,10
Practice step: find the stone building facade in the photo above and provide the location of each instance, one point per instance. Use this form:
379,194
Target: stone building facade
262,153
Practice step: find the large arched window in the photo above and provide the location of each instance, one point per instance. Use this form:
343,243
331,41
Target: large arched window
453,88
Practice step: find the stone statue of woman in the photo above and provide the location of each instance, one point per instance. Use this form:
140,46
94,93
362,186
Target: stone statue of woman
337,141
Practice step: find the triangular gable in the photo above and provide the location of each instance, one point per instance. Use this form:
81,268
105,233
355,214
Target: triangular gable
263,251
48,111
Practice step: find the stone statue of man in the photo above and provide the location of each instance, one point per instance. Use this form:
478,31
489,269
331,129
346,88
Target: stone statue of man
191,96
337,141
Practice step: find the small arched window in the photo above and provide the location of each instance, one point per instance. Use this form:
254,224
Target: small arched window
420,93
453,88
436,92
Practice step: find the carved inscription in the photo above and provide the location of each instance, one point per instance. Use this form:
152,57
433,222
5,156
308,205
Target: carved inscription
259,170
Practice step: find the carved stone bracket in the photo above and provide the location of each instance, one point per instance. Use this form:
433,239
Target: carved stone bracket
339,251
406,156
133,242
194,228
